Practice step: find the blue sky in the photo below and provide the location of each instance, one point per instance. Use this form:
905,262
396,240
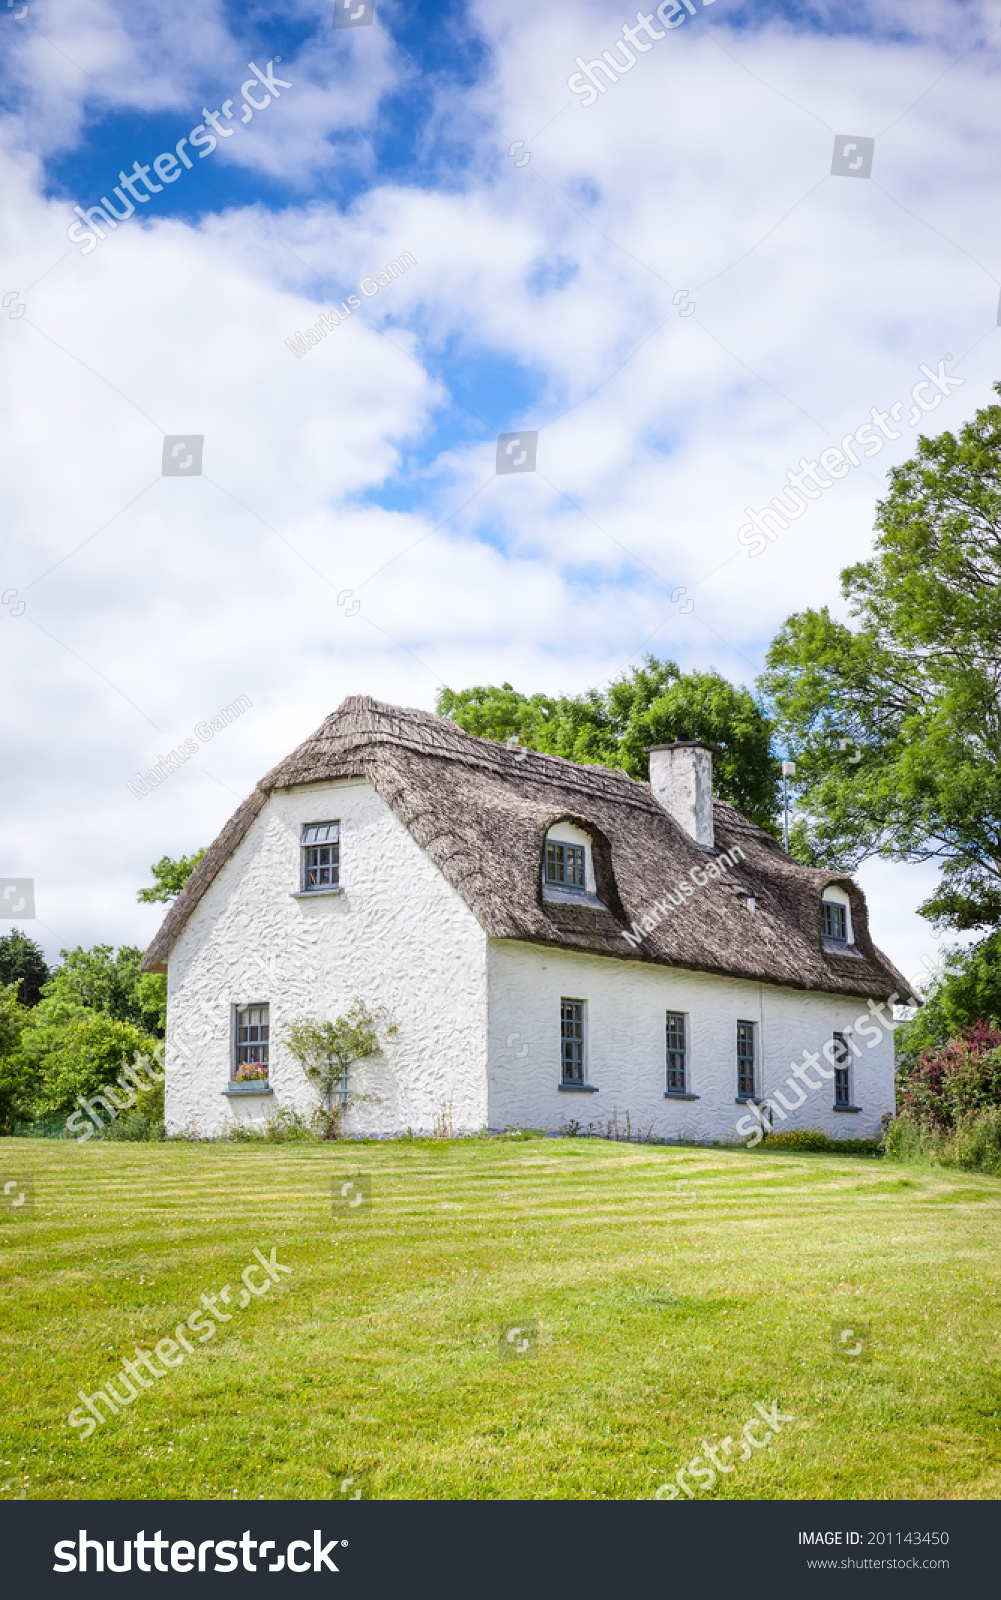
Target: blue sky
674,288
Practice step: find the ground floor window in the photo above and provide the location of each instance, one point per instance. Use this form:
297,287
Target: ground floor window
572,1040
250,1043
676,1052
842,1071
745,1058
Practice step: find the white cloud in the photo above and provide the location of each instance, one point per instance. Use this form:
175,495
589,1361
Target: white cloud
187,598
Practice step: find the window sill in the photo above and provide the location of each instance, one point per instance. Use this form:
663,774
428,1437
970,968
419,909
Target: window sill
577,1088
835,947
237,1090
680,1094
747,1100
847,1108
313,894
554,895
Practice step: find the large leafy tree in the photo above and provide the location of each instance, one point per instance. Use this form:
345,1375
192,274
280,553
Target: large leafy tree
169,878
894,717
651,704
966,993
108,981
16,1083
23,963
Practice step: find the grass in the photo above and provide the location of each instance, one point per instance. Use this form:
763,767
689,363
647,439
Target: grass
671,1288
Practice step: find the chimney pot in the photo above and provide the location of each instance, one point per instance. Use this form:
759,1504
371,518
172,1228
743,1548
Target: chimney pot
681,780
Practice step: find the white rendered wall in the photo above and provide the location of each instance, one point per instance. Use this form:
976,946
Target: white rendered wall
398,935
626,1007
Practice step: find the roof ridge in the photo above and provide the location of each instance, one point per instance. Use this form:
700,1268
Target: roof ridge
494,754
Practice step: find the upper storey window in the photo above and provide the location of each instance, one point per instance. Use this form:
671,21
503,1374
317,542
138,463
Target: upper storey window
320,851
836,918
568,866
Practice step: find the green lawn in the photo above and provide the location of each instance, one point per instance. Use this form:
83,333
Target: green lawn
670,1290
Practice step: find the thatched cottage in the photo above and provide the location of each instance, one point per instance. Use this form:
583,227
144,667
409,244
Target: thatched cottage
556,944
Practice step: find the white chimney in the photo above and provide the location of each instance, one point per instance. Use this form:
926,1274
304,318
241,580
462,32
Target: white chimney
681,778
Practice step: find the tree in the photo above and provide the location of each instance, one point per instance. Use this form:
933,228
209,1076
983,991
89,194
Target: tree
101,980
55,1047
16,1085
22,962
652,704
894,720
88,1055
326,1050
170,877
966,993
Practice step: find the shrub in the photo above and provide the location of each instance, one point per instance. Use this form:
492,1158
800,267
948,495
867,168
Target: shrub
88,1053
973,1144
326,1050
817,1139
284,1126
949,1083
799,1139
136,1127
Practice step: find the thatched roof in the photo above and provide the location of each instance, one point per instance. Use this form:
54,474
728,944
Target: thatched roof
481,812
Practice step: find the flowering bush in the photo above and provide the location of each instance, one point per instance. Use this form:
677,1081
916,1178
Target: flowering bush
950,1083
817,1139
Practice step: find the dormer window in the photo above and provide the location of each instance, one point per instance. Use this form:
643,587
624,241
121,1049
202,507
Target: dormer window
565,864
568,867
836,920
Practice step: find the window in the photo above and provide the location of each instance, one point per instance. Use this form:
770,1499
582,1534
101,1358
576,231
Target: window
572,1040
835,921
251,1044
745,1058
842,1071
676,1052
565,864
321,855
